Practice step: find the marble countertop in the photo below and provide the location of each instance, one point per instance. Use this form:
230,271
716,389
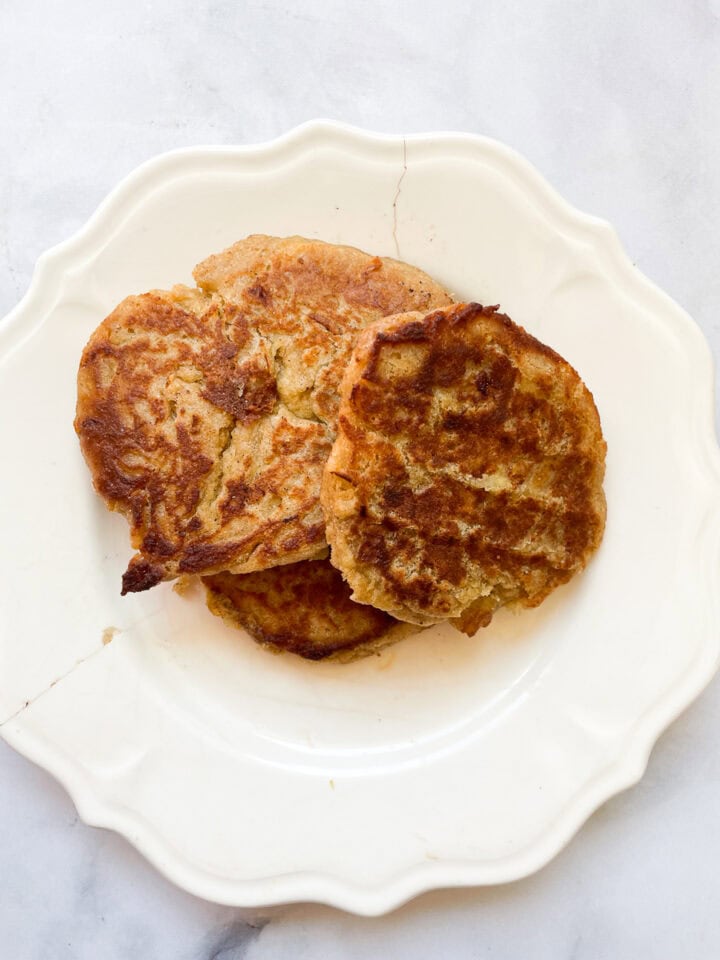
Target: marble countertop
617,105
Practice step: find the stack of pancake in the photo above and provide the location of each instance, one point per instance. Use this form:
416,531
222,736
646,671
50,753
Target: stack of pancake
340,451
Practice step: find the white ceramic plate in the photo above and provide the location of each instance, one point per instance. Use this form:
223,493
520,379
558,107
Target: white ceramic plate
254,779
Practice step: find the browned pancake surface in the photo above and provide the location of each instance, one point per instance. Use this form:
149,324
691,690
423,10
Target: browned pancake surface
303,608
467,471
206,415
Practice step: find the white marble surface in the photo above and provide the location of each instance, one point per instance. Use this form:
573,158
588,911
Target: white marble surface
618,104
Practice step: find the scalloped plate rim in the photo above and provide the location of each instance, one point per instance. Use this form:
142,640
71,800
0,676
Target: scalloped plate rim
315,887
627,767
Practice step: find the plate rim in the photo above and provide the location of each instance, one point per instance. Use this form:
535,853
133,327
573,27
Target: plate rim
627,767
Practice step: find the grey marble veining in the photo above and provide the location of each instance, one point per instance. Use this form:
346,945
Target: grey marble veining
618,105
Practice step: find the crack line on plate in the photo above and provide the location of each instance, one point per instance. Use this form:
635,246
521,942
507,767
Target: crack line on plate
107,638
397,197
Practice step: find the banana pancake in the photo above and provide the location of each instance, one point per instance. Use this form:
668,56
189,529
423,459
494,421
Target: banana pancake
467,470
303,608
206,415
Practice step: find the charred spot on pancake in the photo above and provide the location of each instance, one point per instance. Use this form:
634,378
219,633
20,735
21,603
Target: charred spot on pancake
247,392
141,575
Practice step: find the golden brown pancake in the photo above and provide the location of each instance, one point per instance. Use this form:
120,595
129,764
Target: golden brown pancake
206,415
467,470
303,608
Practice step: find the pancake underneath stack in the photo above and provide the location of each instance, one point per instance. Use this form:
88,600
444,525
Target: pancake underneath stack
304,608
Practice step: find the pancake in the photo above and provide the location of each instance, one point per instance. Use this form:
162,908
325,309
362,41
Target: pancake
467,470
206,415
303,608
